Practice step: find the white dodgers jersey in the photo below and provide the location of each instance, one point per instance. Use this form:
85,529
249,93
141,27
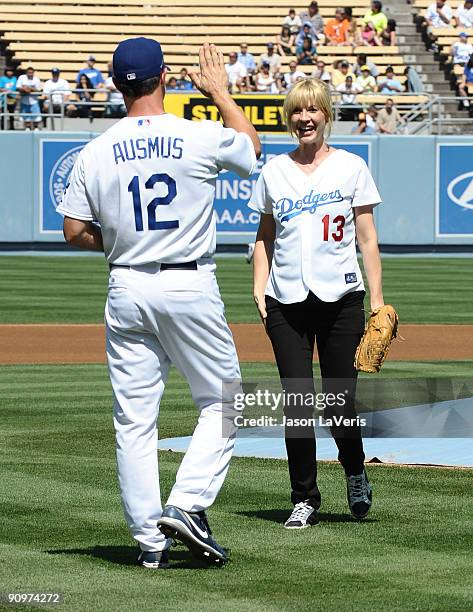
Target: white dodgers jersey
315,244
150,184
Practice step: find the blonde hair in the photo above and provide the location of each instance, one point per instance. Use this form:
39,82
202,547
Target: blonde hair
305,93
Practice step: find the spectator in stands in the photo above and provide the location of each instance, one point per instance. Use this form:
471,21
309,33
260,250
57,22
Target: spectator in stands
466,80
292,77
438,15
388,35
348,91
461,50
116,108
388,118
82,107
366,82
247,59
8,100
353,34
285,41
336,30
376,16
236,73
293,21
464,15
58,92
340,73
321,73
307,30
413,82
29,87
171,85
362,60
312,14
272,58
184,82
306,54
369,36
389,84
93,74
363,127
371,116
264,80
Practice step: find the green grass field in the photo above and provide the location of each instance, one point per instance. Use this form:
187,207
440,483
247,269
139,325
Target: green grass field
62,527
72,290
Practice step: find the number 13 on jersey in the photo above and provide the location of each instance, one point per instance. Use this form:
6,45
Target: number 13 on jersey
153,224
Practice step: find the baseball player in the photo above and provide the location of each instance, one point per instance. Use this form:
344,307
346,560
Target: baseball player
315,202
149,181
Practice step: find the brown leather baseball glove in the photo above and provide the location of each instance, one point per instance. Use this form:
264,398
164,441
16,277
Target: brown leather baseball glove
379,333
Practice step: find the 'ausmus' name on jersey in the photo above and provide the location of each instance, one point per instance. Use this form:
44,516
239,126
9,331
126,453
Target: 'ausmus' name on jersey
148,148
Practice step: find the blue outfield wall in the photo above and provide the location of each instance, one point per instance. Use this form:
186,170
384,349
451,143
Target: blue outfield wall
426,183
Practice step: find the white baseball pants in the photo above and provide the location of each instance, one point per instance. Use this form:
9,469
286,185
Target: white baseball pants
153,319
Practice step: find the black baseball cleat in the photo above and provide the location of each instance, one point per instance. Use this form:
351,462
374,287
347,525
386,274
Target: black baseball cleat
304,515
359,494
193,530
154,560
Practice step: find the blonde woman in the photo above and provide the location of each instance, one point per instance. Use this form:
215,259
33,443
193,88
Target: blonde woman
316,202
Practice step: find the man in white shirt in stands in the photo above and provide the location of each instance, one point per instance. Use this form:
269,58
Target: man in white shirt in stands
438,15
464,15
461,50
58,92
116,104
237,74
349,107
290,78
272,58
293,21
29,87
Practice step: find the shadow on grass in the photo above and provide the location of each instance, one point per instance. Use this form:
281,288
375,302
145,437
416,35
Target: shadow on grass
281,516
128,555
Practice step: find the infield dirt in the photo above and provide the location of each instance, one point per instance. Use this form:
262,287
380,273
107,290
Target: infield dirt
26,344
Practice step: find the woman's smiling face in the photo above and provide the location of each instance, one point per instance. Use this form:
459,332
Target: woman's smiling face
308,124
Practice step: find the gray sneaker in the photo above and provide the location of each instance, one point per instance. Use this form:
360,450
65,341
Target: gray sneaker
359,494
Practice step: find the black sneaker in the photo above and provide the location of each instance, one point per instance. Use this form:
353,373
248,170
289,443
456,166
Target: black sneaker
304,515
359,494
154,560
193,530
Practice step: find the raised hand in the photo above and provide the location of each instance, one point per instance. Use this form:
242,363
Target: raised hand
212,78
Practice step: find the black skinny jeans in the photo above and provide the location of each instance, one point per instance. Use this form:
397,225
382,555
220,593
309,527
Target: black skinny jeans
337,328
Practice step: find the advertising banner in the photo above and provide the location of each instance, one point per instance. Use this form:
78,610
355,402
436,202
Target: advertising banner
454,182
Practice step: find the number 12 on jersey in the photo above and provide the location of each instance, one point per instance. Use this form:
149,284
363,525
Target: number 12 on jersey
134,189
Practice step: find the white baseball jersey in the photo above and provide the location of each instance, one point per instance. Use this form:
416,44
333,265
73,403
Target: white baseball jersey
314,248
150,183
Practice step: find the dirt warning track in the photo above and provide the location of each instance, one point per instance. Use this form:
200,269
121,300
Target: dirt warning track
30,344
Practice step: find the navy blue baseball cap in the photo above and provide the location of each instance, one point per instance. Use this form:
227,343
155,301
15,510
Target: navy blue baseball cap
137,59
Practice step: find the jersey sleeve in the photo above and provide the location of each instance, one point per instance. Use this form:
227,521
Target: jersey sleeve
260,199
75,203
366,192
235,152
